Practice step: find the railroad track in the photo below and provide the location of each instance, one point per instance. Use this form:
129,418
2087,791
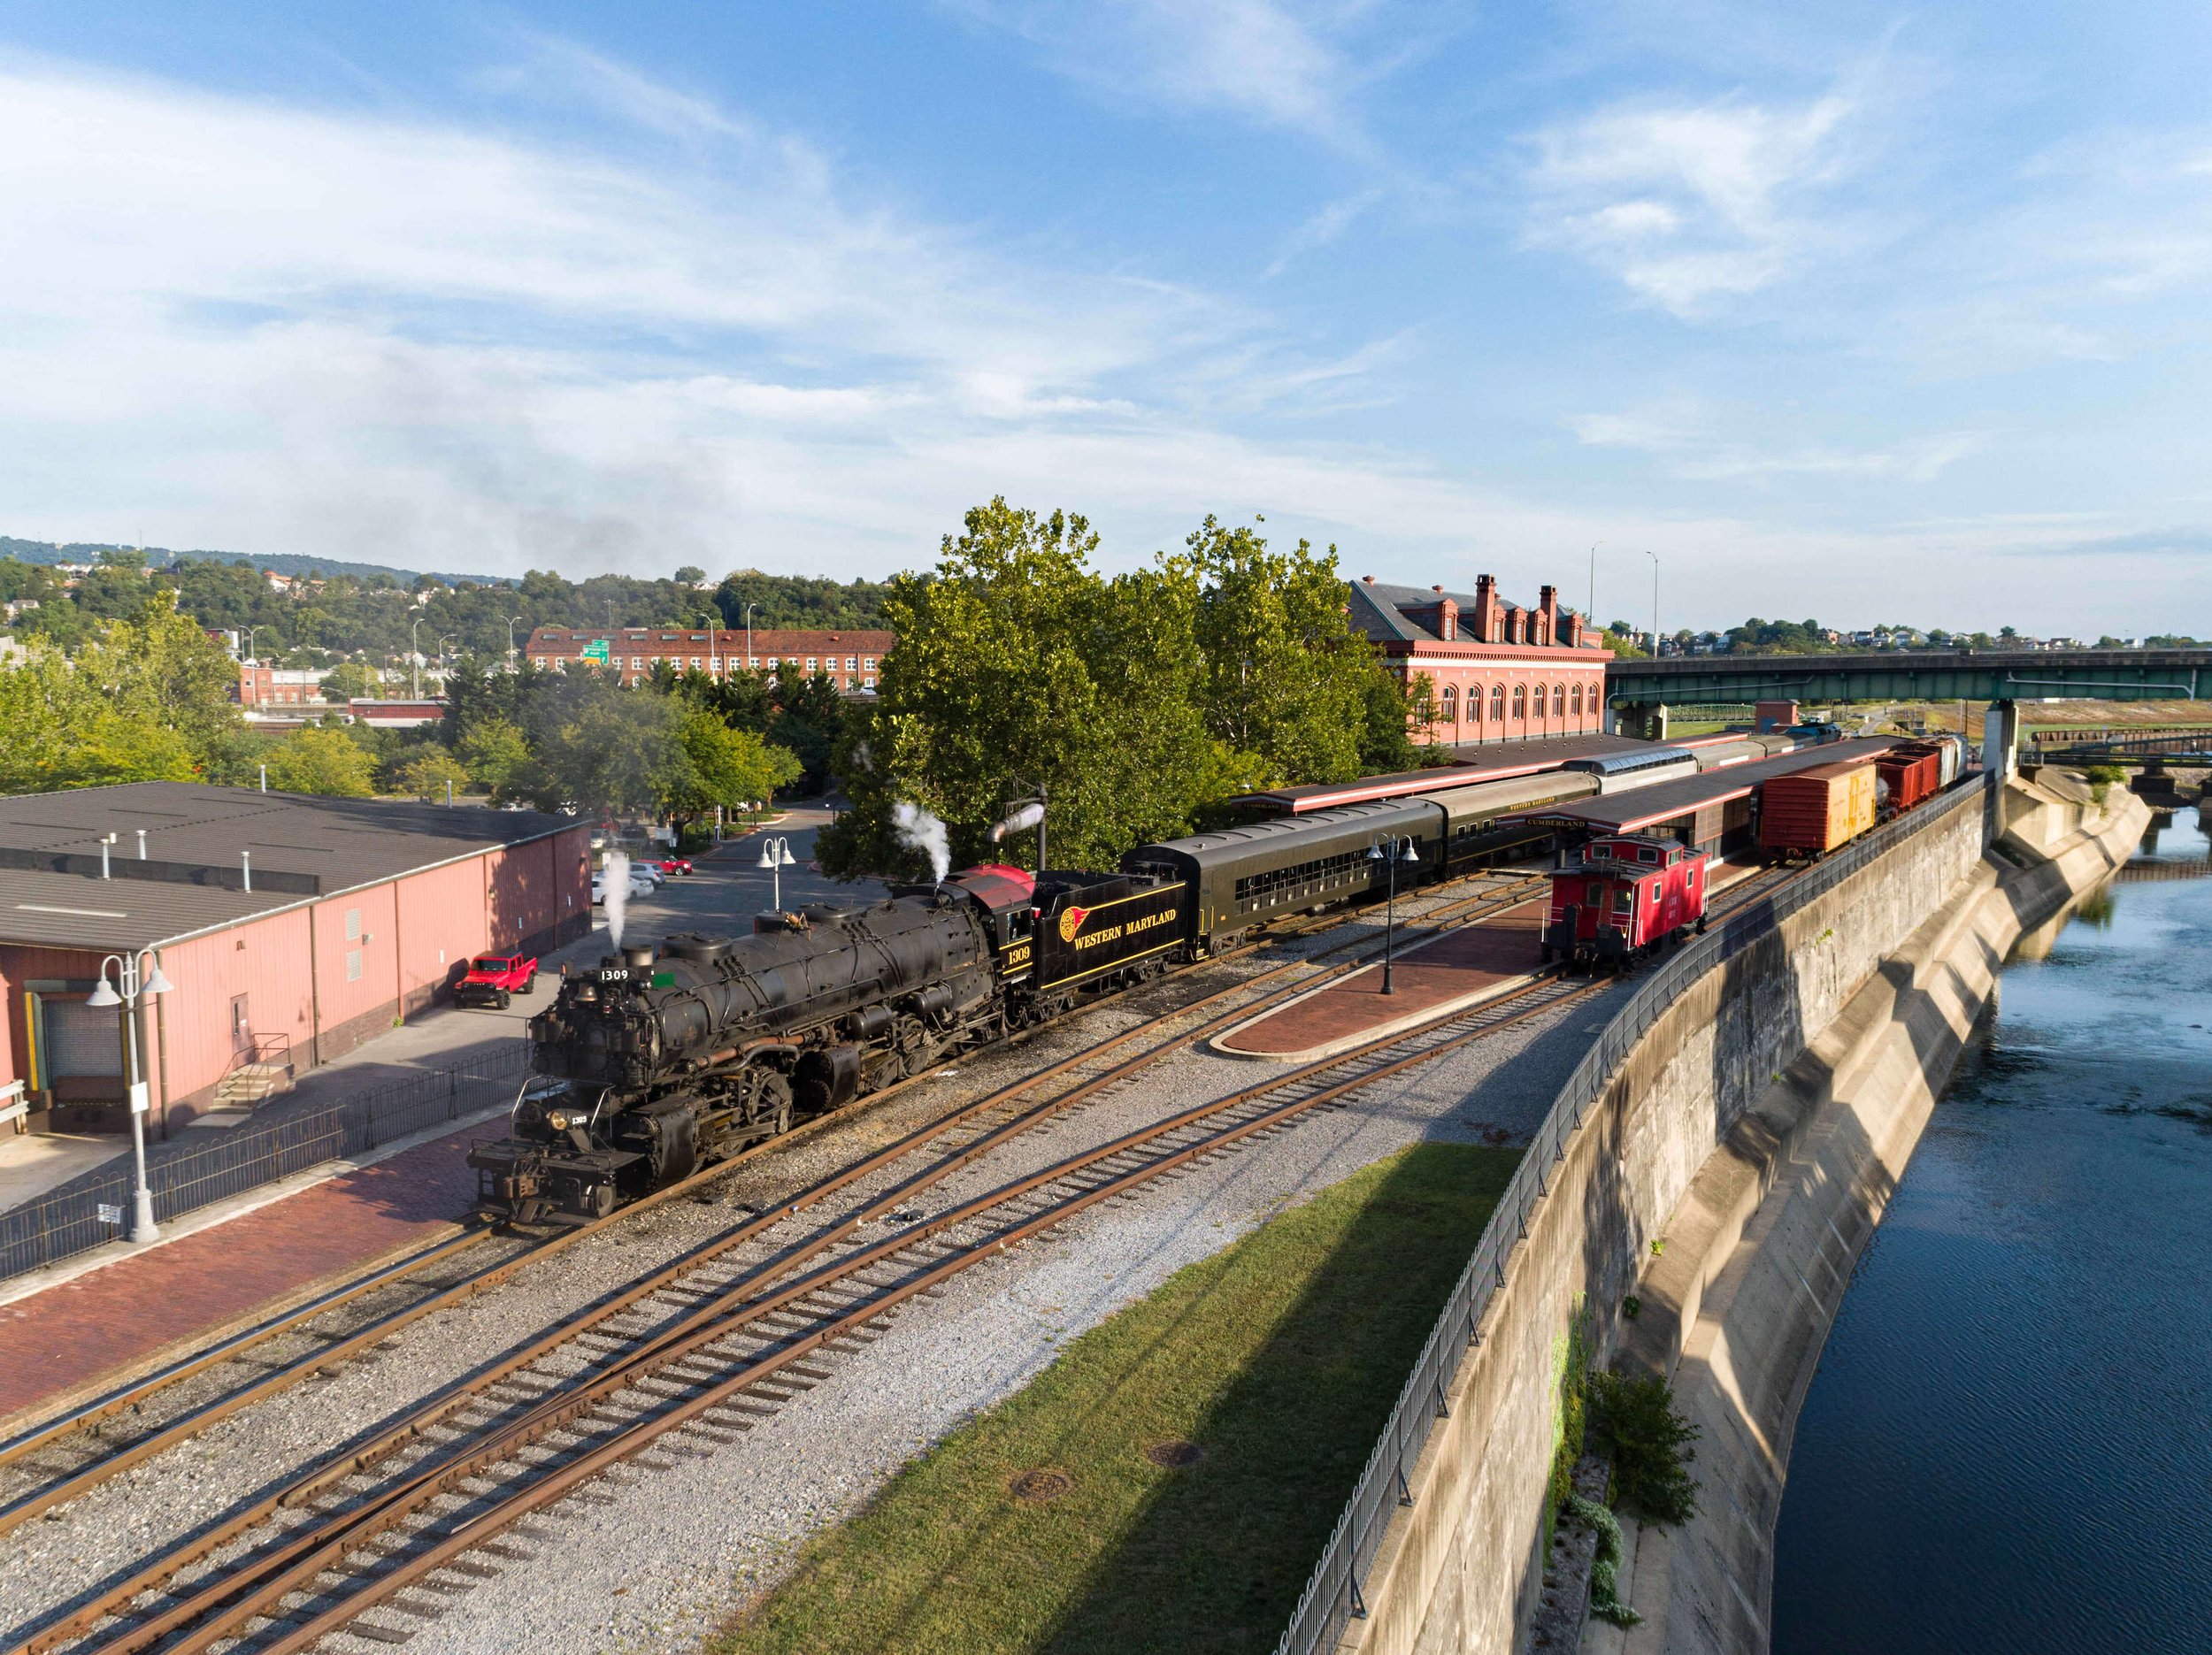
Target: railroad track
63,1459
684,1366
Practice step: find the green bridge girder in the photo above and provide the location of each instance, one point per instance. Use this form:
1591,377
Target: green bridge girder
2120,675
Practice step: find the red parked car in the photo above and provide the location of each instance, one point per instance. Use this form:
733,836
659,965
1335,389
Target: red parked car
671,864
1628,896
495,978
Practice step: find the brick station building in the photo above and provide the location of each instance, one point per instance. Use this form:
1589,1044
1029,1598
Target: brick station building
849,657
1499,671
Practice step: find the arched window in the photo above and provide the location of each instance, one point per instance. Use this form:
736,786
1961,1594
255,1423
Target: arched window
1497,703
1520,704
1451,704
1574,702
1559,700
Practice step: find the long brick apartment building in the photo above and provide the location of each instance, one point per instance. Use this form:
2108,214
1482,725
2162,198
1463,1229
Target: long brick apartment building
1499,671
849,657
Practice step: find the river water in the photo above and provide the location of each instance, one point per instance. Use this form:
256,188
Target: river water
2008,1446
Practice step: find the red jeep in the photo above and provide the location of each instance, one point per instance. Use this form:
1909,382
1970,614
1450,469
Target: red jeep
493,978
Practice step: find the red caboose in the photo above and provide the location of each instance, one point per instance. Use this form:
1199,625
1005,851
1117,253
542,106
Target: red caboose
1627,895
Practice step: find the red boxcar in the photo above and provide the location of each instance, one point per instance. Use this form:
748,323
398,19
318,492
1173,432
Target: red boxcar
1911,771
1624,898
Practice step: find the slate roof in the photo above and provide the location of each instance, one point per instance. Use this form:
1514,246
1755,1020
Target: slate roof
1378,610
192,878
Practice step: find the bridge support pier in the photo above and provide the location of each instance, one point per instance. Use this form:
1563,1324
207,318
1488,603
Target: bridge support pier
2001,738
1646,720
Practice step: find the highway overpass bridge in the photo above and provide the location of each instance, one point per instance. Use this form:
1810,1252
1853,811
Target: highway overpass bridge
1640,690
1977,675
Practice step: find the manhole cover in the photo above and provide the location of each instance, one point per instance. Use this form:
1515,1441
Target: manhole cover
1175,1455
1034,1488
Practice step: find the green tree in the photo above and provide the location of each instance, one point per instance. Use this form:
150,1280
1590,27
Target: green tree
499,760
1018,665
1282,675
322,760
349,680
607,749
426,777
726,768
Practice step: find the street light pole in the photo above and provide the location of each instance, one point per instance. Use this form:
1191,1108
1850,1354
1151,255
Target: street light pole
129,984
1654,602
510,642
1592,613
749,607
1391,853
775,855
414,653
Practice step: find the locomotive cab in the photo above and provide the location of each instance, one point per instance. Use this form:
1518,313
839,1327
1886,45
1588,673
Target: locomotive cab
1625,898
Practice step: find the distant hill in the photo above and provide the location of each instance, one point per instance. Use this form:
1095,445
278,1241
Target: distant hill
281,563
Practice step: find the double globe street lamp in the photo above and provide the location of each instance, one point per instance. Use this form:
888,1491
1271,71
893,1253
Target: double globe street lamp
133,982
1391,853
775,855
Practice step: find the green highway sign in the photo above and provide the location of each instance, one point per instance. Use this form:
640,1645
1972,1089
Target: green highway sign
596,650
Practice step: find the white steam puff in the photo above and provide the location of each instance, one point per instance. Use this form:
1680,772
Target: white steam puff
920,831
617,872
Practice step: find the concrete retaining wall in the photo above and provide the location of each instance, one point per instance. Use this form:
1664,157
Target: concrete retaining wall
1693,1104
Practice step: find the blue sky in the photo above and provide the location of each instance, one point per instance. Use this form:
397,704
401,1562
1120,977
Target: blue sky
1885,315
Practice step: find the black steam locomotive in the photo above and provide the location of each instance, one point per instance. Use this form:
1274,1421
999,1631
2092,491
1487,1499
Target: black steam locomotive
674,1056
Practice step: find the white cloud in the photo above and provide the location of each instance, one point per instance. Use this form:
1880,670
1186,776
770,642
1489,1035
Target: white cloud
1275,64
1689,203
1695,442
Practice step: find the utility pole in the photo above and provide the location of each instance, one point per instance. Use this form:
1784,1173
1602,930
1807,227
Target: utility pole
1591,614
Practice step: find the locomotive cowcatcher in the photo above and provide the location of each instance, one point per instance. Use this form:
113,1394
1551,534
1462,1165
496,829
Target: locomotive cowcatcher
1626,896
668,1056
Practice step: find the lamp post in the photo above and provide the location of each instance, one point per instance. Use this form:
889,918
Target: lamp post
414,652
1654,602
749,607
131,982
1391,851
775,855
1592,611
511,620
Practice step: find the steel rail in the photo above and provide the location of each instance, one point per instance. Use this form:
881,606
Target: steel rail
51,1432
395,1438
224,1607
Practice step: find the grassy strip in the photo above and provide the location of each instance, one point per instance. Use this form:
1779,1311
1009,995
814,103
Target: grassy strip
1279,1357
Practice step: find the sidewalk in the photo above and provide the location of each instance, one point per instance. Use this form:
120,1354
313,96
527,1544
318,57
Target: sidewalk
116,1312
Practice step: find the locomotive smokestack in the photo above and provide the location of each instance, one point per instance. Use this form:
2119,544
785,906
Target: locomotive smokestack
640,956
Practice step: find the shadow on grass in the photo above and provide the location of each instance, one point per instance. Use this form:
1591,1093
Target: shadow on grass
1279,1357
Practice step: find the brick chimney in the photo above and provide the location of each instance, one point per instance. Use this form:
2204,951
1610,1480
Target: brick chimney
1547,607
1488,620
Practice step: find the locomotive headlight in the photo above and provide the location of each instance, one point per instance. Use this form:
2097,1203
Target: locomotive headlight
560,1120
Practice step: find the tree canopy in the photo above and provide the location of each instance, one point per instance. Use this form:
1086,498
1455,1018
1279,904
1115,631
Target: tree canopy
1136,701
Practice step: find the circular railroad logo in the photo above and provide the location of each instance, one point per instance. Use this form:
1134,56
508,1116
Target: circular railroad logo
1175,1456
1034,1488
1070,922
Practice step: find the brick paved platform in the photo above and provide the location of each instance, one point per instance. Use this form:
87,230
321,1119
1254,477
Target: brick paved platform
1429,980
117,1320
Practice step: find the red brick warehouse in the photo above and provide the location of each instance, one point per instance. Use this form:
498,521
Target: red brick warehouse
1497,672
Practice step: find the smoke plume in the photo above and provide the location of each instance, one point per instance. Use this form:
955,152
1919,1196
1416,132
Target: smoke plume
618,875
920,831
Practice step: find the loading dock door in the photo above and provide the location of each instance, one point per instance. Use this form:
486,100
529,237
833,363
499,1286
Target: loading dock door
81,1050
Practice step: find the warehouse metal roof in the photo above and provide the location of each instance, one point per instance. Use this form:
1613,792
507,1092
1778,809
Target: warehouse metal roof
198,842
1641,807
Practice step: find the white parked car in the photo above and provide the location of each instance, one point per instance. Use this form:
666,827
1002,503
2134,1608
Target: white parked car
638,885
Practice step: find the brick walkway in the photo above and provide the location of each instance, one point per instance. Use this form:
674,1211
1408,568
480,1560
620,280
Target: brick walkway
1477,960
120,1315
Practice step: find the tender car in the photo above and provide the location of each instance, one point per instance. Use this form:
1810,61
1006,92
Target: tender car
495,978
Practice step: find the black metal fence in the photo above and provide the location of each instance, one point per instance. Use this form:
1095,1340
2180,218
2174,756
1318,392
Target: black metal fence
1333,1597
210,1165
